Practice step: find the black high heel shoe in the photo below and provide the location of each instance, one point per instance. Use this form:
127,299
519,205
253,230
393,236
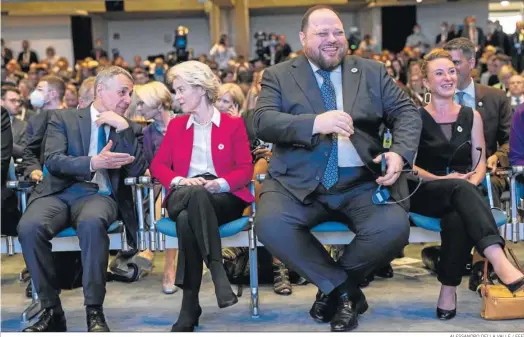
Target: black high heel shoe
447,314
187,325
515,286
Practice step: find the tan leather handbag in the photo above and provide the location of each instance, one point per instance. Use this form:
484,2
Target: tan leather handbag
498,303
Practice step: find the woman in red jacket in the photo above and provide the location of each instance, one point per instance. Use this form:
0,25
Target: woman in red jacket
205,162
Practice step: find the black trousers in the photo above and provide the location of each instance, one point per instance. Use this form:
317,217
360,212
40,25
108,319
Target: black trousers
198,215
465,220
283,225
498,185
90,214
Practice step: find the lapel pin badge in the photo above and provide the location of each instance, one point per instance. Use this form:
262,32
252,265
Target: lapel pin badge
480,104
220,146
459,128
354,70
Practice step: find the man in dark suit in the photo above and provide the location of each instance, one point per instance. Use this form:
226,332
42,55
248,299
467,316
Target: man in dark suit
11,103
492,104
48,96
323,111
7,54
98,52
89,153
10,215
473,33
26,57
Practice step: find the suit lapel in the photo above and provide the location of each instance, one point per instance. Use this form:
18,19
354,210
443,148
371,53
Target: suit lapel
350,83
303,75
479,96
84,124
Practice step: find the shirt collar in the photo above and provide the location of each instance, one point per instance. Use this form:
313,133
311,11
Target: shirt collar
215,119
94,113
315,68
469,90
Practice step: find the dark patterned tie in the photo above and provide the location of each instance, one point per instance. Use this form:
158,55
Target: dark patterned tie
460,96
327,90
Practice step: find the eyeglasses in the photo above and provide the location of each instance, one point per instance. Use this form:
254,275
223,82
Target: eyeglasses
14,101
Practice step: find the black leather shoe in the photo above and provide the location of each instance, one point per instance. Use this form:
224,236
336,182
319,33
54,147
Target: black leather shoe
48,322
323,309
385,272
96,321
187,325
227,303
29,290
477,275
360,303
447,314
370,278
345,319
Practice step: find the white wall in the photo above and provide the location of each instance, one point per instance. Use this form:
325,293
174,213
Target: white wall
41,32
288,24
429,17
146,37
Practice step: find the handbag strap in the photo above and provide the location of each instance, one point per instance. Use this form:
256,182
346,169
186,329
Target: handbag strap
514,257
485,275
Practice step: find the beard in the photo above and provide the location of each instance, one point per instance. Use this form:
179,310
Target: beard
316,56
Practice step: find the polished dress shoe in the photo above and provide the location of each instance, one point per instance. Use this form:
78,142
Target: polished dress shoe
229,302
385,272
477,275
364,283
187,324
345,318
445,315
96,321
323,309
48,321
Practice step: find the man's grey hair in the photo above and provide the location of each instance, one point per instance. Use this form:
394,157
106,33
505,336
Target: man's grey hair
107,73
461,43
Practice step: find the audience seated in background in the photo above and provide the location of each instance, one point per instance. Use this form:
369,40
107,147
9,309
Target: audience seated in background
230,99
206,174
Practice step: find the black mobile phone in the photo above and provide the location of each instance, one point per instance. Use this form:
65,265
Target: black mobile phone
383,164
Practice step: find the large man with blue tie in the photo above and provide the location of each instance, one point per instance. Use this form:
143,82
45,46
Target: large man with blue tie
89,152
323,111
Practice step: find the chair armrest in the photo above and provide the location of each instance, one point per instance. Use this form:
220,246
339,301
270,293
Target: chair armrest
517,170
20,185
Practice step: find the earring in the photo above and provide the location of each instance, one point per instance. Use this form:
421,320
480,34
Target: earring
427,97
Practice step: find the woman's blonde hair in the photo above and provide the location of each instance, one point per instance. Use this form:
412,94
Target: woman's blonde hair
196,73
505,72
155,94
433,55
234,90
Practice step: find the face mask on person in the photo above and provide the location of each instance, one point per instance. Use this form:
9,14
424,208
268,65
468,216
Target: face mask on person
37,99
472,25
443,29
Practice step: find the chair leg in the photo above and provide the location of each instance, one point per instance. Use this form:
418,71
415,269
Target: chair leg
33,309
253,273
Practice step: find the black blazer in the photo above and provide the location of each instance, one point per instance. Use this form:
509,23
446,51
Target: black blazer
495,109
67,160
290,100
7,150
18,127
35,136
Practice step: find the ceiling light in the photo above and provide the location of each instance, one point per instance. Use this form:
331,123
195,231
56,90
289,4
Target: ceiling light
419,1
504,3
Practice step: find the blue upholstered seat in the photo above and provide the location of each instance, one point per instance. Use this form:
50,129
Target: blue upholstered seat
168,227
68,232
432,224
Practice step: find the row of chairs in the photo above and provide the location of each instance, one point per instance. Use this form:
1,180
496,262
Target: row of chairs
161,233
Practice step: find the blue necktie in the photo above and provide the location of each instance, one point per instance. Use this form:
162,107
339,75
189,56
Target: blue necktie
102,142
329,97
460,95
517,100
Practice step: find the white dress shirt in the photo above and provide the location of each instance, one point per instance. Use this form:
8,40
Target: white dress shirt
347,154
98,178
201,156
514,102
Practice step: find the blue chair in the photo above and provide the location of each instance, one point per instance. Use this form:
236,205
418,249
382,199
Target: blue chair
233,234
515,228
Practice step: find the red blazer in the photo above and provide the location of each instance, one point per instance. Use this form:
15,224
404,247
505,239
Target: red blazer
230,152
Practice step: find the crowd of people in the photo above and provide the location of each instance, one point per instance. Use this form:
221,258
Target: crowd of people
313,119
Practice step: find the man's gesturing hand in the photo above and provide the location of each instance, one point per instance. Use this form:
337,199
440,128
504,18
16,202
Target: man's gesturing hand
113,119
334,121
110,160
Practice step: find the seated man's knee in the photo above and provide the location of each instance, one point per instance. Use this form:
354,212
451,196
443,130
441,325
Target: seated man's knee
395,234
94,226
30,230
267,224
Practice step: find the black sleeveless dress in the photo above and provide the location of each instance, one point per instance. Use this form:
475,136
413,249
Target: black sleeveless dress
445,148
